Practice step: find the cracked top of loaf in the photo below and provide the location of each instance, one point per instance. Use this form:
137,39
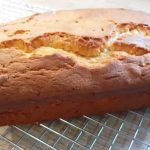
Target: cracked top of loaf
74,52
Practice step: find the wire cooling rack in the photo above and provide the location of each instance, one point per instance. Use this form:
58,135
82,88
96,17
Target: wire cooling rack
126,131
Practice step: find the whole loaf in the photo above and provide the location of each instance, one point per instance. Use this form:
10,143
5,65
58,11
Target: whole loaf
70,63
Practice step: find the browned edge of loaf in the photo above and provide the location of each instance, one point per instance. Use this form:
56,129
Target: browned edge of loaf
72,108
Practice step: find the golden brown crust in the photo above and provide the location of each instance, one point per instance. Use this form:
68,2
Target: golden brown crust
80,52
81,31
133,44
73,107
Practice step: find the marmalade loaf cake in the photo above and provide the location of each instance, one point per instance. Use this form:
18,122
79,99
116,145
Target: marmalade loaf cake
71,63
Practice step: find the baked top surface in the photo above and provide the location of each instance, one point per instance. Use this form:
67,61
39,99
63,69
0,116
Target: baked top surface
87,22
75,52
84,32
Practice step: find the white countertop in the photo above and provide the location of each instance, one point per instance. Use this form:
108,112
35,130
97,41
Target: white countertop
71,4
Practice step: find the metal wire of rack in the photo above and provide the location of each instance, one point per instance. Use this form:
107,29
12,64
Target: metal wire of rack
130,130
127,131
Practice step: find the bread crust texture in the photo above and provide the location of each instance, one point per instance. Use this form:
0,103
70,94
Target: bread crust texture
53,58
